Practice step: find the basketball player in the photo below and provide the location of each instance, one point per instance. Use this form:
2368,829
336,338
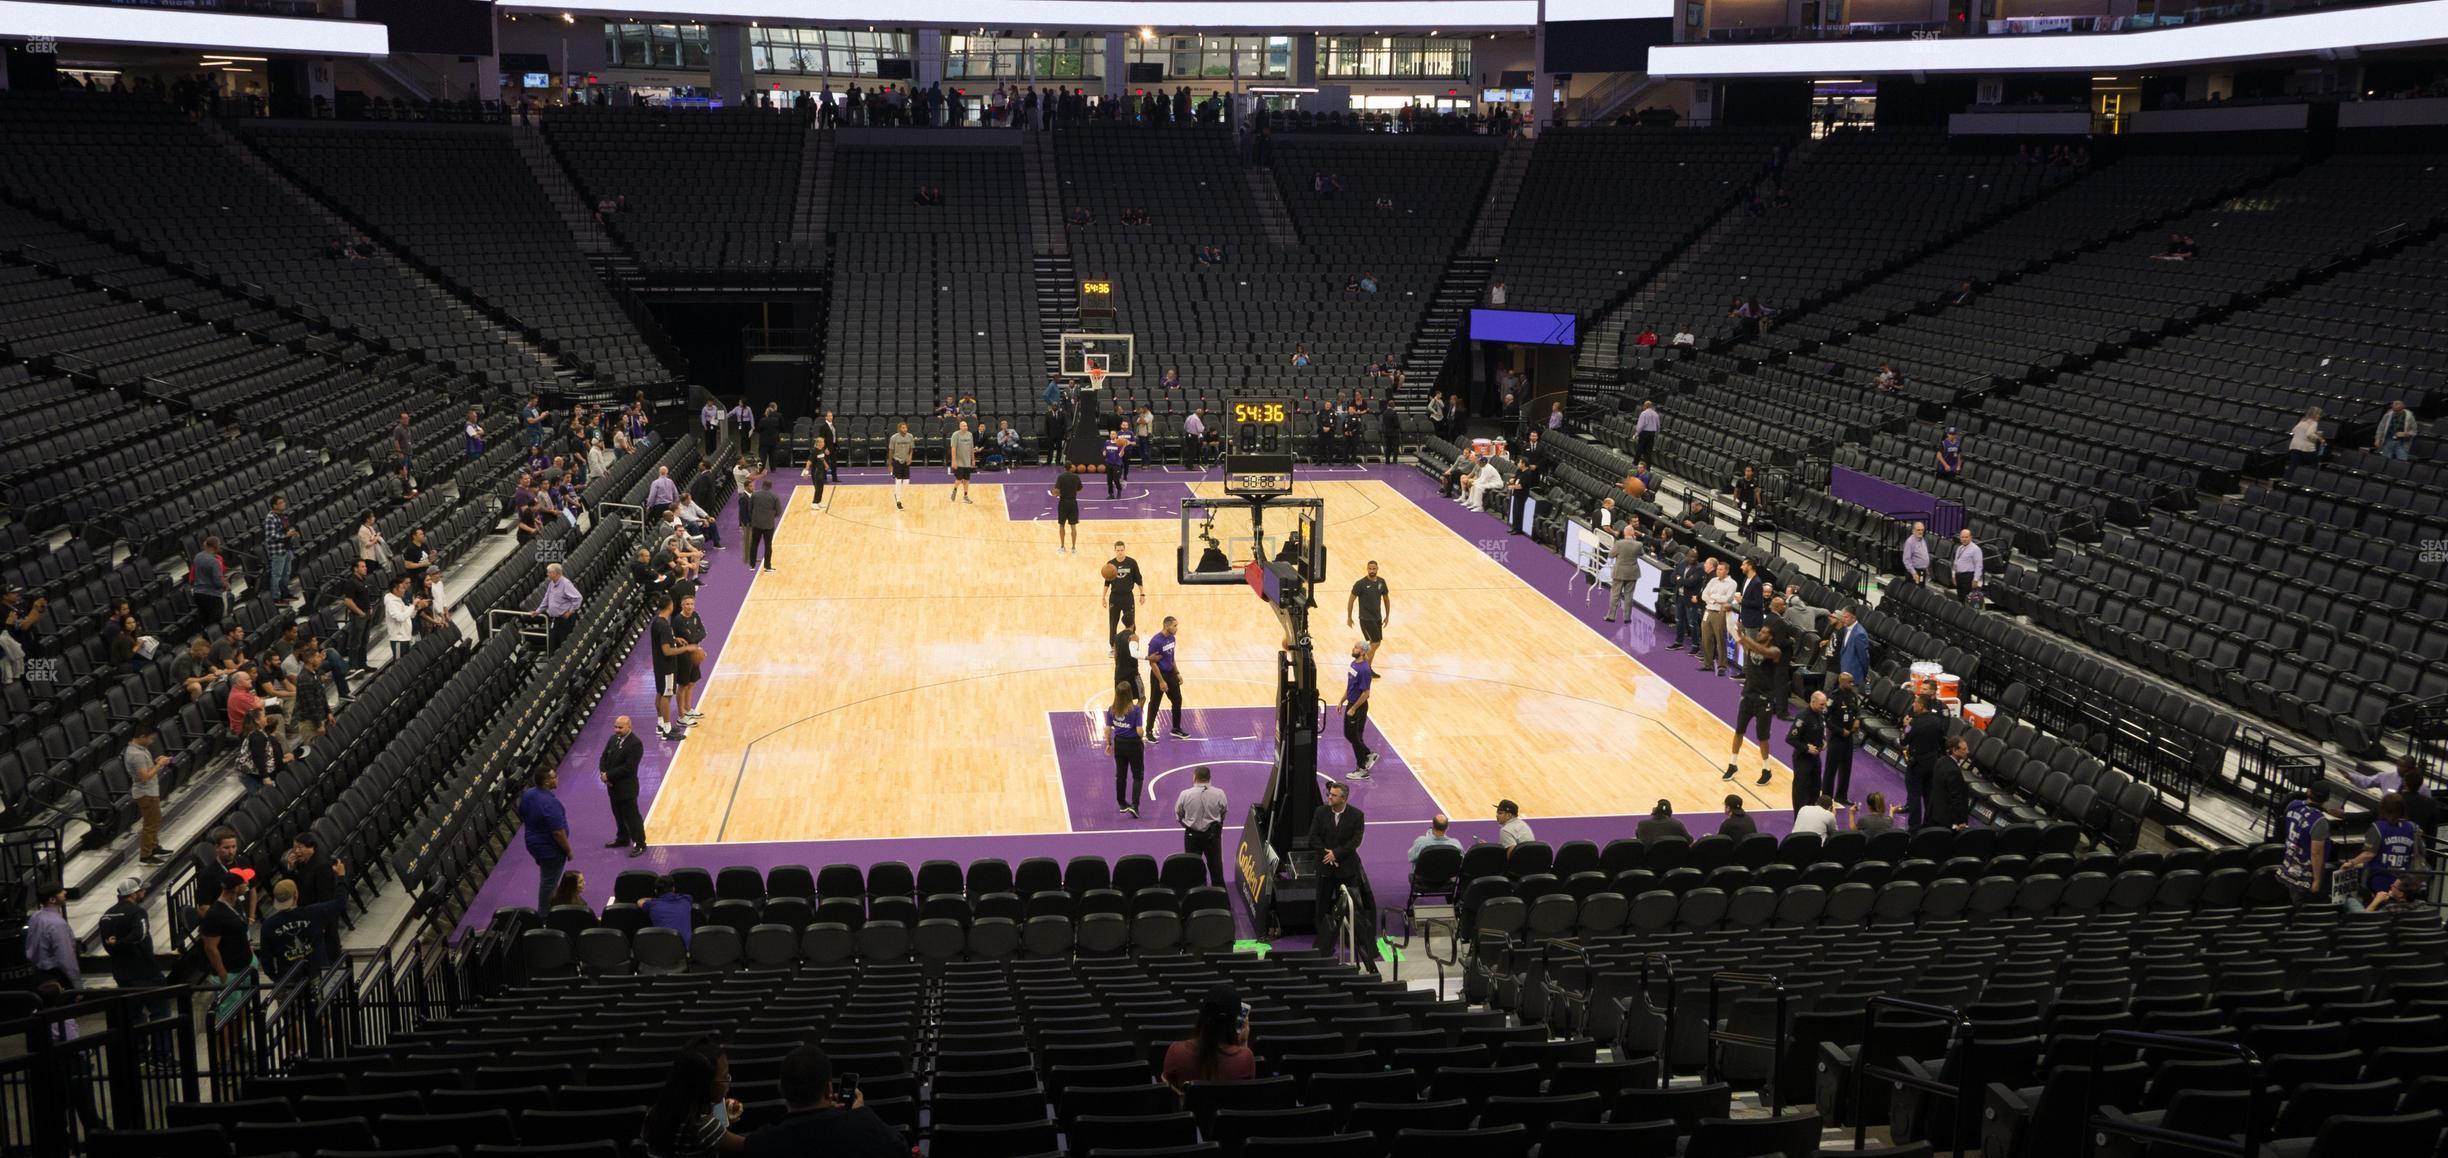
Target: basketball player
1163,679
689,631
1763,688
1126,581
964,460
1114,467
1355,712
1122,728
900,448
1126,653
665,649
1066,494
1372,600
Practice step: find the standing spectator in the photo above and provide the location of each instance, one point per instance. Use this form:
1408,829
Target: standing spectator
618,769
559,607
1916,554
280,539
259,755
2393,849
1201,810
403,445
769,435
532,419
2393,435
310,708
208,581
1951,787
472,435
1715,599
1496,292
763,510
371,546
1851,643
144,772
2305,442
2303,864
1685,589
1645,428
1950,454
547,828
223,931
1925,746
1968,564
299,929
358,596
661,495
127,936
399,613
709,427
49,945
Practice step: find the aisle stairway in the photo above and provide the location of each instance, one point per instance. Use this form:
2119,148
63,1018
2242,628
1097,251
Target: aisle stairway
1280,231
1443,329
815,186
1044,196
1504,188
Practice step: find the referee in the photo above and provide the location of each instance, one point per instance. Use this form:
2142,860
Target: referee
1764,687
1371,598
1200,811
1164,681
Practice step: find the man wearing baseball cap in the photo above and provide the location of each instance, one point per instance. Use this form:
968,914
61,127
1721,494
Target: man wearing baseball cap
1511,829
296,932
127,935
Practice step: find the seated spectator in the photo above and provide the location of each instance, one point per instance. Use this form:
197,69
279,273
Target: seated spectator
1647,337
2180,247
1080,218
1737,823
1875,816
1661,825
571,891
949,409
1300,354
682,1121
1171,379
816,1121
929,195
669,908
1511,829
1818,816
1887,379
1368,282
1434,837
1220,1050
1684,338
1384,203
1962,295
1134,216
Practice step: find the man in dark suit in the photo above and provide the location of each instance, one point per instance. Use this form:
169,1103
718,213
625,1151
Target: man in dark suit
832,440
1529,473
1809,738
1951,786
1925,745
764,514
1335,831
619,772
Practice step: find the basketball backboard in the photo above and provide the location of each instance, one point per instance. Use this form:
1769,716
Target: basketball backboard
1079,351
1221,537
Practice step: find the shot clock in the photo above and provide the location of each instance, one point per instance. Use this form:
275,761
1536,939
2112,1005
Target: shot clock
1258,448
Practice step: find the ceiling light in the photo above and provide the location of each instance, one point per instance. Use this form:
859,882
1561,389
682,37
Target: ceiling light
566,18
218,58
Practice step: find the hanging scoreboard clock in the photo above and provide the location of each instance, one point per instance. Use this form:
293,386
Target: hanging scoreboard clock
1258,448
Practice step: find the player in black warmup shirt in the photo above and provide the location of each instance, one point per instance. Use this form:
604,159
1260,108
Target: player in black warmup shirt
1765,685
1372,600
1066,511
1120,608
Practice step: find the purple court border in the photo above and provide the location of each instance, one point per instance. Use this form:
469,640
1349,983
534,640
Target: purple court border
1087,772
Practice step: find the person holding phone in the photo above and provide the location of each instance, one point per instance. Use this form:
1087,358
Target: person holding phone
824,1115
1220,1050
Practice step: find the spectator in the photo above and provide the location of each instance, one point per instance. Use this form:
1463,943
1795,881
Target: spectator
1969,564
1080,218
1951,787
1300,354
1511,829
310,708
1368,282
1219,1051
560,605
1818,816
669,908
1887,379
1487,482
2393,435
817,1122
2393,850
242,700
2303,864
299,930
2180,247
1737,823
207,580
1496,292
1134,216
1661,825
700,524
50,948
280,541
371,546
1715,599
127,936
1950,454
1875,816
547,834
1434,837
691,1116
571,891
399,612
223,931
144,772
1962,295
259,755
1916,553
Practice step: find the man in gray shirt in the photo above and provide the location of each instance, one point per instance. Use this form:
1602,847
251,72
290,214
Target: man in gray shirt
1623,570
1968,564
144,771
1511,829
764,511
899,449
964,460
1200,812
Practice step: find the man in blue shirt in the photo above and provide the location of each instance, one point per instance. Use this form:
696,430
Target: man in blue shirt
1163,679
1950,454
2303,865
670,908
1434,837
1355,712
208,581
547,832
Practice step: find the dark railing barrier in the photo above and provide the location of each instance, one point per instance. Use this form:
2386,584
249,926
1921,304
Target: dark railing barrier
1628,1016
2256,1116
1963,1095
1774,1042
61,1078
1559,995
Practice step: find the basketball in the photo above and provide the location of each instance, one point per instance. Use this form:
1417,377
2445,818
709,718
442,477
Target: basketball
1636,488
1109,572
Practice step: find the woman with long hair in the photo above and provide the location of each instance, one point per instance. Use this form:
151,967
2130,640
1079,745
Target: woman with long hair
1219,1050
572,890
691,1116
1123,721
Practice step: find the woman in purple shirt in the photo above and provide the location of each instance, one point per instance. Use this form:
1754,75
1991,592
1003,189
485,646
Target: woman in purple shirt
1123,721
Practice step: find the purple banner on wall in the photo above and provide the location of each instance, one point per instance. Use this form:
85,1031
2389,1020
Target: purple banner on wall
1895,500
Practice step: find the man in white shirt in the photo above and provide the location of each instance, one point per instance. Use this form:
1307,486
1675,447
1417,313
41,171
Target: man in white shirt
1968,563
1200,811
1714,600
1511,829
399,612
700,524
1818,816
1487,482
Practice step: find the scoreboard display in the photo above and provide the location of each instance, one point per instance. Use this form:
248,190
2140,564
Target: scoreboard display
1258,447
1096,297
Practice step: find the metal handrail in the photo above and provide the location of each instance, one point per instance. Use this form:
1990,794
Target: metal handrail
2246,1145
1557,994
1774,1043
1957,1020
1623,1009
1453,944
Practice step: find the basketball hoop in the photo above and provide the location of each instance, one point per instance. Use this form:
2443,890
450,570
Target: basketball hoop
1096,377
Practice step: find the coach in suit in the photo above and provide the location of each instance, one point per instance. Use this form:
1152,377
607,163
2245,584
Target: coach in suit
1335,831
1925,743
619,771
1852,647
764,514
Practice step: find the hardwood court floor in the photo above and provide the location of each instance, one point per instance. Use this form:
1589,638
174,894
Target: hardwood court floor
894,677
